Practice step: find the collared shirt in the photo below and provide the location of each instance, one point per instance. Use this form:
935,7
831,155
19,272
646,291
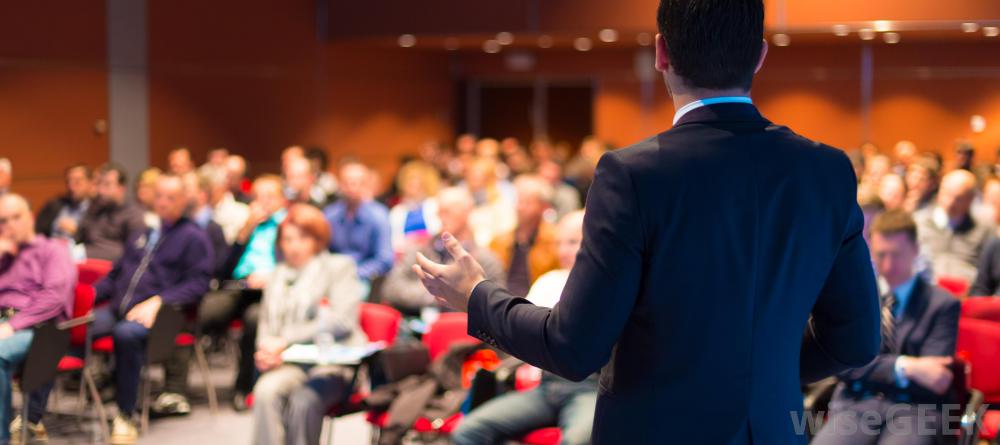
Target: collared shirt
37,282
259,254
709,101
363,235
73,211
903,293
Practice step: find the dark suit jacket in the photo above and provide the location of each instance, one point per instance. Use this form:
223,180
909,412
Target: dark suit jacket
988,271
705,250
928,326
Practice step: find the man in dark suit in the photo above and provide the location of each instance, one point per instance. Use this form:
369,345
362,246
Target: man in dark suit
920,328
706,249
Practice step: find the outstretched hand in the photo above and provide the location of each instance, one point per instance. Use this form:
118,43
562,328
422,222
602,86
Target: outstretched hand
451,284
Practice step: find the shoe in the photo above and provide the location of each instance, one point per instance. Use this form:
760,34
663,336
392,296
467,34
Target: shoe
240,402
36,431
171,403
123,431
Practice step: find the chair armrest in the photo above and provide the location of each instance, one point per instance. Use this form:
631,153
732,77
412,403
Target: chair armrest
74,322
972,417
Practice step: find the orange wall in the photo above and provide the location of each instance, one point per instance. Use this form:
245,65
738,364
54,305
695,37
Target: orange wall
53,87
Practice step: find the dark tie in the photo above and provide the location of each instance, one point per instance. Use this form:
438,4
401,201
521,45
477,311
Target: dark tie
888,322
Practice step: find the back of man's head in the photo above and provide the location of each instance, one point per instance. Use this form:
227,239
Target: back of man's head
713,44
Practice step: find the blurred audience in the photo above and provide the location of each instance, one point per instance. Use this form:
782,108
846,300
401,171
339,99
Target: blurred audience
37,280
301,185
60,217
110,222
892,191
415,219
179,161
565,198
360,224
167,265
236,170
529,250
229,213
6,175
145,194
313,297
950,237
495,199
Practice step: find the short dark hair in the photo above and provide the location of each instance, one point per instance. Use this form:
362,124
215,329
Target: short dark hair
319,155
892,222
86,170
114,167
713,44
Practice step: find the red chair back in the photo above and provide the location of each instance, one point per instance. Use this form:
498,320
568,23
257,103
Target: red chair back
449,328
957,286
83,303
982,308
380,322
979,345
92,270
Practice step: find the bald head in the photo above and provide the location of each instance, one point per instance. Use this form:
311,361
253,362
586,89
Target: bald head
569,237
955,196
454,206
17,224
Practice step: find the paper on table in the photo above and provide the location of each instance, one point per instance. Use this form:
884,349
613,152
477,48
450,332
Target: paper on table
336,355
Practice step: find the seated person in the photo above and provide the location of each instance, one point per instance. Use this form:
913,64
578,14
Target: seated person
172,265
173,398
402,288
529,250
251,261
951,237
60,217
300,183
311,294
360,224
37,277
110,222
919,330
555,401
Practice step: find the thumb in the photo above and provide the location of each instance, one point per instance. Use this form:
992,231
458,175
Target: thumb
454,247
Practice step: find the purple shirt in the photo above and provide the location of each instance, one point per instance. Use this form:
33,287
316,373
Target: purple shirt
38,283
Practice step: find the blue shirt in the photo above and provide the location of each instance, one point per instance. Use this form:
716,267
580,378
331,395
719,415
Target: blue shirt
365,236
903,293
259,254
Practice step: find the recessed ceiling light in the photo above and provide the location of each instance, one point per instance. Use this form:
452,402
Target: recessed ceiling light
608,35
978,123
841,30
891,37
407,40
505,38
781,39
970,27
545,41
866,33
991,31
882,25
491,46
583,44
644,39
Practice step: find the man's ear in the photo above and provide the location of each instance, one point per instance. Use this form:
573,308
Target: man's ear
662,57
763,55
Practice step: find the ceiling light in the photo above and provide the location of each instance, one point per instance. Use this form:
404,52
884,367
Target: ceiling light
505,38
583,44
891,37
491,46
866,33
781,39
644,39
545,41
841,30
970,27
407,40
991,31
608,35
882,25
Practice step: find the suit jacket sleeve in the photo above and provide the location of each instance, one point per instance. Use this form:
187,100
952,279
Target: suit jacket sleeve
575,338
844,331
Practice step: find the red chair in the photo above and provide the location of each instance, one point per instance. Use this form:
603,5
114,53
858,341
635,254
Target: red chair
91,271
982,308
979,345
450,327
526,378
957,286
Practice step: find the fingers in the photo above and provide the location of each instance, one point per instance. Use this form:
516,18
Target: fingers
454,247
429,267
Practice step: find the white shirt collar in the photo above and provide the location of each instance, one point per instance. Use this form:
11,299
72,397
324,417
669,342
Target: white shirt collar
709,101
